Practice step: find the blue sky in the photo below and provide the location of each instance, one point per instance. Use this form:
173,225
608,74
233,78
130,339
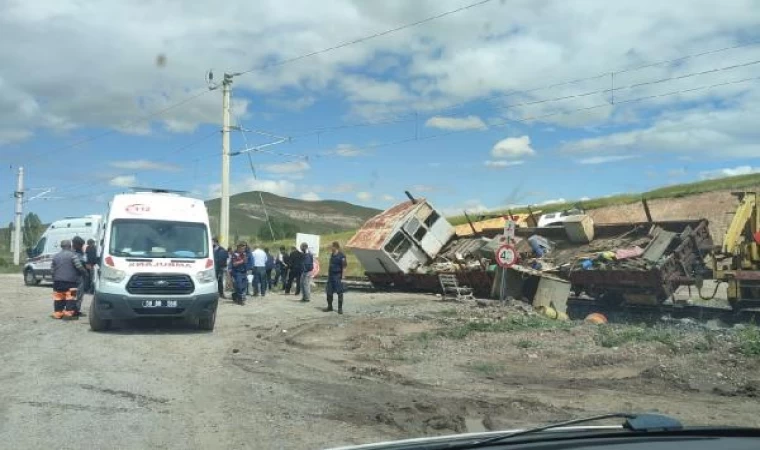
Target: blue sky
479,109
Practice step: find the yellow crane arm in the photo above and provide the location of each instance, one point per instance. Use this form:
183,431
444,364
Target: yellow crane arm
744,215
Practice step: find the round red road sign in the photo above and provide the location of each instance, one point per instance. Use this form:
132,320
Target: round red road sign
506,256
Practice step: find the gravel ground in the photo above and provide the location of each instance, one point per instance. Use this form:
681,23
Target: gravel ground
278,374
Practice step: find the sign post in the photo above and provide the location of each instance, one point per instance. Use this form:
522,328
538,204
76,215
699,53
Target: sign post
506,254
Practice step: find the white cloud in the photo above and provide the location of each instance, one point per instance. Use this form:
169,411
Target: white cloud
141,164
497,48
513,148
310,197
346,151
473,206
500,164
729,172
364,196
605,159
123,181
585,199
456,123
388,198
552,201
293,105
293,167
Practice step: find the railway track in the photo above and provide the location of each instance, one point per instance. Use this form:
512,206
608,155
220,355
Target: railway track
580,307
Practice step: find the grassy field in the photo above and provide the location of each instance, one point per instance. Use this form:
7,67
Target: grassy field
675,191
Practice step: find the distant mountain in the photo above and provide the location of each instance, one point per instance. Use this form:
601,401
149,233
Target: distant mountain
319,217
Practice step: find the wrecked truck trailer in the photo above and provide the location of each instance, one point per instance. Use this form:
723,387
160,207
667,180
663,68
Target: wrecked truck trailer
635,263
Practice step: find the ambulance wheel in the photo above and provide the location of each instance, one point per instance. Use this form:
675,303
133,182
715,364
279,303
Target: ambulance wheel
207,323
30,279
96,322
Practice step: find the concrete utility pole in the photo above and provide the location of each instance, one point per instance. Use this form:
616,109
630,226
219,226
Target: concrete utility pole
19,194
224,220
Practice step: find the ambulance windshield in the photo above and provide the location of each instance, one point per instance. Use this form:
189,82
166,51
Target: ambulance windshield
158,239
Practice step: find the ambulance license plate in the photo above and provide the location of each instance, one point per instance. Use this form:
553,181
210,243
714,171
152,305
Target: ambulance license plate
159,303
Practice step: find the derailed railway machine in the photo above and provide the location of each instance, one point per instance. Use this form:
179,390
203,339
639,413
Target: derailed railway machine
633,263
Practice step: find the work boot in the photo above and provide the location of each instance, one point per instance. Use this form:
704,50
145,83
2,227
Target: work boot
340,303
329,305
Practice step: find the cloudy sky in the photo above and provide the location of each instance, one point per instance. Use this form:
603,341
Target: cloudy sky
506,102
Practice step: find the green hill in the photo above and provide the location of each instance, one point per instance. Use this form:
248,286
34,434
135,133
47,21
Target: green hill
247,217
751,182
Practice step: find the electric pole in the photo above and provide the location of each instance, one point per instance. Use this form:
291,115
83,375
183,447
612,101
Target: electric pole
224,220
19,194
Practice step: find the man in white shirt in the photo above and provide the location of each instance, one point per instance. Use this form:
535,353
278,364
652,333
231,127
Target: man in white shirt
259,271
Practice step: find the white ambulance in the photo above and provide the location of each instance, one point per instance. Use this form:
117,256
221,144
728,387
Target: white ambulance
156,261
37,267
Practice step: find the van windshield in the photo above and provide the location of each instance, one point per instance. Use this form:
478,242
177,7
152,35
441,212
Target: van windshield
158,239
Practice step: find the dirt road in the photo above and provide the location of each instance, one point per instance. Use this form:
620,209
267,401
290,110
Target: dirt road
277,374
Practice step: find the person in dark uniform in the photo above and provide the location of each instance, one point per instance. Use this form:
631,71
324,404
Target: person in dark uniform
77,244
296,267
238,267
220,264
91,258
338,264
280,268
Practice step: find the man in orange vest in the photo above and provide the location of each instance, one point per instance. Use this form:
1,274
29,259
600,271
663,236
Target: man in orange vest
67,269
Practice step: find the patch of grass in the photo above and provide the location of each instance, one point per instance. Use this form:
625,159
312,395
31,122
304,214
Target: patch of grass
708,343
526,343
424,338
612,336
487,368
748,341
448,313
510,324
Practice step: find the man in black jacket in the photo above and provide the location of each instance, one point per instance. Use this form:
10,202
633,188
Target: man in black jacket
296,268
220,264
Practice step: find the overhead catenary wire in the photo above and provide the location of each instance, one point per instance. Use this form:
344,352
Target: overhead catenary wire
558,113
610,73
253,172
366,38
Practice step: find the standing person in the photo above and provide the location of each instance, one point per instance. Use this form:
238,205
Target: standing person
220,264
259,271
249,270
280,268
91,258
66,269
338,264
296,265
308,267
84,277
269,267
238,263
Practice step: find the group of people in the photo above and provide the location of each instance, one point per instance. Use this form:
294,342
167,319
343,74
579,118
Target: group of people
72,273
262,271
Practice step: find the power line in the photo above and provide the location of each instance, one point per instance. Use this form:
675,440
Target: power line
367,38
559,113
407,117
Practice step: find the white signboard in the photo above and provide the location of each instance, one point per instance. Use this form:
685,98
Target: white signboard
311,239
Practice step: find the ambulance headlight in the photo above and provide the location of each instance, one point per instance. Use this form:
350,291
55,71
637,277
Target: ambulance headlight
206,276
112,275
